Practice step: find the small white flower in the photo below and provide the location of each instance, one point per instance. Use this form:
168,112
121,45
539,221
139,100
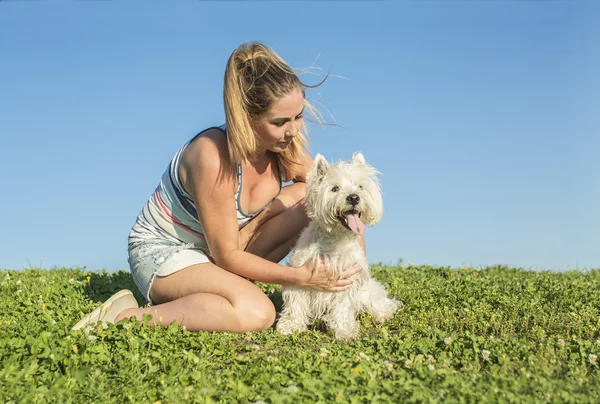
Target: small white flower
407,363
362,356
447,340
485,354
292,389
324,352
561,342
389,365
431,359
446,364
592,359
19,282
71,280
431,367
185,352
19,291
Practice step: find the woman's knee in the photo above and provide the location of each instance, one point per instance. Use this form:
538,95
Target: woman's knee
293,194
256,314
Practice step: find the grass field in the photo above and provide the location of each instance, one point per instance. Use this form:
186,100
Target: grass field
469,336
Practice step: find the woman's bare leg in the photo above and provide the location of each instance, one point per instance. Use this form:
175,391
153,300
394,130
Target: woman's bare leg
280,228
205,297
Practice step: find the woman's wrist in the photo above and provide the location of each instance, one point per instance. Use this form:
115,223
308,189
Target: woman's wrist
299,276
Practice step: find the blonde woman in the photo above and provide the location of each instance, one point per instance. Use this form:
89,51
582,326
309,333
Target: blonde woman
221,218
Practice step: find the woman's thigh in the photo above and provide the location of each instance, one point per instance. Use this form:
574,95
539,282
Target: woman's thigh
208,278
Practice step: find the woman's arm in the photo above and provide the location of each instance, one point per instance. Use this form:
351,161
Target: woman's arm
204,177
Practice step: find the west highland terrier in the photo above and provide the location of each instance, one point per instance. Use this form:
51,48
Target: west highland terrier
341,199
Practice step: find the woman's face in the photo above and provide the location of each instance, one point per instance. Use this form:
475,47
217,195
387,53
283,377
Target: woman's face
277,128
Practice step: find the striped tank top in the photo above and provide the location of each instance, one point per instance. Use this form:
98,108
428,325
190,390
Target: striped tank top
170,212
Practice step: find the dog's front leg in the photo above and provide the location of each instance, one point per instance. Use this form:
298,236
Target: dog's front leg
341,319
296,312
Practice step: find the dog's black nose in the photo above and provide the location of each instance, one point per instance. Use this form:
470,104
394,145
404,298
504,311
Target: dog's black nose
353,199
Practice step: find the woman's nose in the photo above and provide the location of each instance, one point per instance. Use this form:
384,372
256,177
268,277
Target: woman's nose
293,129
296,127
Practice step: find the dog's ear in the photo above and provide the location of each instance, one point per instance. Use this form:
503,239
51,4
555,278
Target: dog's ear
320,165
358,158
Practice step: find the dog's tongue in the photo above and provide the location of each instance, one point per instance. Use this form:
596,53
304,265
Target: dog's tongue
355,224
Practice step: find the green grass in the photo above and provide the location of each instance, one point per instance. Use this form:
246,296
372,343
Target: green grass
494,335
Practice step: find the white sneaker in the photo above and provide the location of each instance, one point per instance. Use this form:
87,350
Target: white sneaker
110,309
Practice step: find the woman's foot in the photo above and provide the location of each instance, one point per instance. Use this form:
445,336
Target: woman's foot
109,311
125,314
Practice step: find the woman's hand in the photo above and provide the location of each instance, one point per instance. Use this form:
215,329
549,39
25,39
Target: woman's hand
325,277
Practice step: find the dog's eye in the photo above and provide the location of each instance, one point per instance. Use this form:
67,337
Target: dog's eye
360,186
335,189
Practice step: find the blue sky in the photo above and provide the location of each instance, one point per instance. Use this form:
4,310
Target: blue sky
479,115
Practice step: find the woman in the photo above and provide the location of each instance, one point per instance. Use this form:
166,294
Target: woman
221,218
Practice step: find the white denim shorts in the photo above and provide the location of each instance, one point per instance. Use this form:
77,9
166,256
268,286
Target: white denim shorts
152,257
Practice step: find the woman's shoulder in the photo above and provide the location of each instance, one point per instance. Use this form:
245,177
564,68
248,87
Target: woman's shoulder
207,147
206,154
213,135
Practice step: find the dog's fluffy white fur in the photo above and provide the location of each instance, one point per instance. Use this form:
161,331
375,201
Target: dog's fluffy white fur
337,195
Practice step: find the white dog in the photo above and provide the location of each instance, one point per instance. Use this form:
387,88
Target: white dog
340,199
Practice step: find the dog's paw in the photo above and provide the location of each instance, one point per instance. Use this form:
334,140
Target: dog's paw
346,335
287,326
346,330
383,318
389,307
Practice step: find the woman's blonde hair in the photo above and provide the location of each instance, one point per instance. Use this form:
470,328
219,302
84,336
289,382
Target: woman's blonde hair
255,78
